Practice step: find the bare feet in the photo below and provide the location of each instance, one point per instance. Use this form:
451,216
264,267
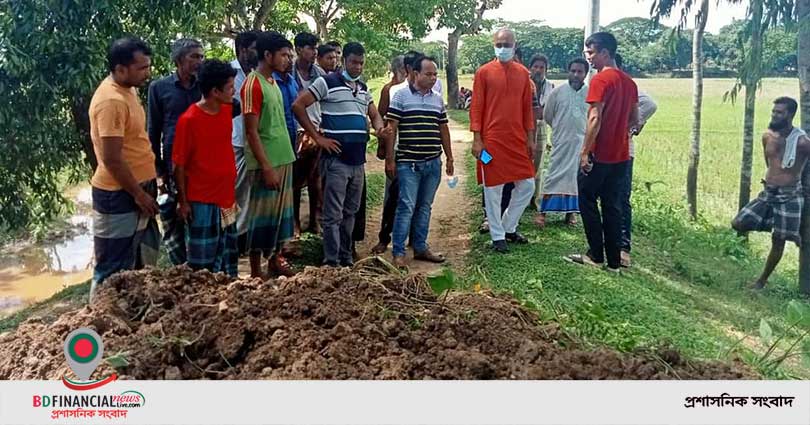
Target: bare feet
540,220
279,266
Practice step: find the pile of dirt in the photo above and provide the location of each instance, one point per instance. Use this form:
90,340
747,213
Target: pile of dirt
321,324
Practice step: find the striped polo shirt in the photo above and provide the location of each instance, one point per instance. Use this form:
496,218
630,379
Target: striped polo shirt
419,116
343,115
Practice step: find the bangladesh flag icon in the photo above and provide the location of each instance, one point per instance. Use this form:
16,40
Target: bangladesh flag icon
83,352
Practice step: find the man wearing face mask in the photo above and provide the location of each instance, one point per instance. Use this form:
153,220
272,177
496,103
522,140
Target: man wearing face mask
169,98
346,107
245,62
778,207
503,126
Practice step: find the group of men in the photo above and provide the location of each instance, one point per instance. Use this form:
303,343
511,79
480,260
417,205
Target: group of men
225,150
591,146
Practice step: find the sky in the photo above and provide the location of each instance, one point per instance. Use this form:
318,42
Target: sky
573,13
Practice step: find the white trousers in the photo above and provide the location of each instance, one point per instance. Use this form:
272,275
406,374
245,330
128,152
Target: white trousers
500,225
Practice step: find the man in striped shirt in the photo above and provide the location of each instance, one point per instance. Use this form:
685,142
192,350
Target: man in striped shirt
418,114
345,104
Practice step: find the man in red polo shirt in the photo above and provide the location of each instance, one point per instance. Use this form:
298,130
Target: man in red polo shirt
205,171
613,99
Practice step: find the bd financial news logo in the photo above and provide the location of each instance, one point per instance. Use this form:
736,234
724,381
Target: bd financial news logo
83,352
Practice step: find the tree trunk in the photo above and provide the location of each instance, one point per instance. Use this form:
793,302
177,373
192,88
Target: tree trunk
697,104
80,108
322,27
452,69
752,76
803,53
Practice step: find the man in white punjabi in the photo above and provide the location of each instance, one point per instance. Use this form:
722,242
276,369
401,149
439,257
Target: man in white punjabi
778,208
566,113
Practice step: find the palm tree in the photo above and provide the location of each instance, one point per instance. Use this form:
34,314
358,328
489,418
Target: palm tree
803,54
664,8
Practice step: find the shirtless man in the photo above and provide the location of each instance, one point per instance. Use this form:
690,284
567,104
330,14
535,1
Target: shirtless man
778,207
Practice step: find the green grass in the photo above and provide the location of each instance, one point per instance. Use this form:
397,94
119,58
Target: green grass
686,287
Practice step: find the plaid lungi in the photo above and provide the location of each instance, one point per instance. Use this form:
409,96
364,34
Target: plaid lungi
174,230
270,212
776,208
210,246
123,238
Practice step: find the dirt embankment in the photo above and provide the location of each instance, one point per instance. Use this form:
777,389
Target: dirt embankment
322,324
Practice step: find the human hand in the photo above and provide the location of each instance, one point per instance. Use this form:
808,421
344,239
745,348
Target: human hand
329,145
448,167
271,179
146,203
184,211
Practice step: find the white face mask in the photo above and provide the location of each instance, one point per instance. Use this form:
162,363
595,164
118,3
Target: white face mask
504,54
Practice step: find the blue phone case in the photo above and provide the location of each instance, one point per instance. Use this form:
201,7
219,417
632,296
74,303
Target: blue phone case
485,157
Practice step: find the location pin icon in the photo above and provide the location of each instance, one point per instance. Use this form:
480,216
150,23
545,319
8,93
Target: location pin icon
83,352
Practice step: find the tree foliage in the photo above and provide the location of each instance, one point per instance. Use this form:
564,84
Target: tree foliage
48,80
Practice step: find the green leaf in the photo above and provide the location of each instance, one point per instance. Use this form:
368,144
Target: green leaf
798,312
765,332
443,281
118,361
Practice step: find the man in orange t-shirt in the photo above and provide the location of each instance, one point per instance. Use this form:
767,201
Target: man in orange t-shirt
125,232
503,126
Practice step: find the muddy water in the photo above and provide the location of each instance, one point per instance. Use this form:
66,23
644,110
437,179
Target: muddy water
33,272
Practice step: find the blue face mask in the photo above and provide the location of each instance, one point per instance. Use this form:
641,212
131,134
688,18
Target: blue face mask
349,77
504,54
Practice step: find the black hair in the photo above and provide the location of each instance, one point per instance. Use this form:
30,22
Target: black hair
792,105
410,56
325,49
538,57
619,61
580,61
603,40
213,74
335,44
244,40
271,42
419,63
305,39
353,48
122,51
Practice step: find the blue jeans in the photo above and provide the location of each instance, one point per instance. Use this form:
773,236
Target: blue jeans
418,182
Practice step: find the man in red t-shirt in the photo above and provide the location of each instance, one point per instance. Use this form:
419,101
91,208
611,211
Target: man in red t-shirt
613,99
205,171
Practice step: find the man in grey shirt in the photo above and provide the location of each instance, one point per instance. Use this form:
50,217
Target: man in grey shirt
169,98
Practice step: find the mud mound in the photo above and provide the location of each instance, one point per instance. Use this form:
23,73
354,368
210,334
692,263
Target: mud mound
321,324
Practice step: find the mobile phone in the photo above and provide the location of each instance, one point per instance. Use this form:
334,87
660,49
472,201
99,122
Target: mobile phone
485,157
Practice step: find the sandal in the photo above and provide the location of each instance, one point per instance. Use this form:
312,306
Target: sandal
429,257
582,259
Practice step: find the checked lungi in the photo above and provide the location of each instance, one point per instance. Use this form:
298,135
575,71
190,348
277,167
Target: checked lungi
174,230
776,208
123,237
211,246
270,212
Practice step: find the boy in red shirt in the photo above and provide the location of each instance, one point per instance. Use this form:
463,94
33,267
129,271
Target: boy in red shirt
613,99
205,171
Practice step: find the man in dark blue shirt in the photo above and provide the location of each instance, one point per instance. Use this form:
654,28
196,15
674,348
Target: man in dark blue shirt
169,97
289,91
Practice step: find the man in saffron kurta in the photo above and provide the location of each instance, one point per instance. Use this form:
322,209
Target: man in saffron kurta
502,122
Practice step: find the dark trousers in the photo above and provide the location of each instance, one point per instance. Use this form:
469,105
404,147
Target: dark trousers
603,230
389,210
359,230
627,209
506,197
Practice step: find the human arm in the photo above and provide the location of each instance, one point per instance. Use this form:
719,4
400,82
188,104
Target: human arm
154,127
111,120
444,129
646,109
477,108
592,128
385,99
529,119
316,91
180,155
